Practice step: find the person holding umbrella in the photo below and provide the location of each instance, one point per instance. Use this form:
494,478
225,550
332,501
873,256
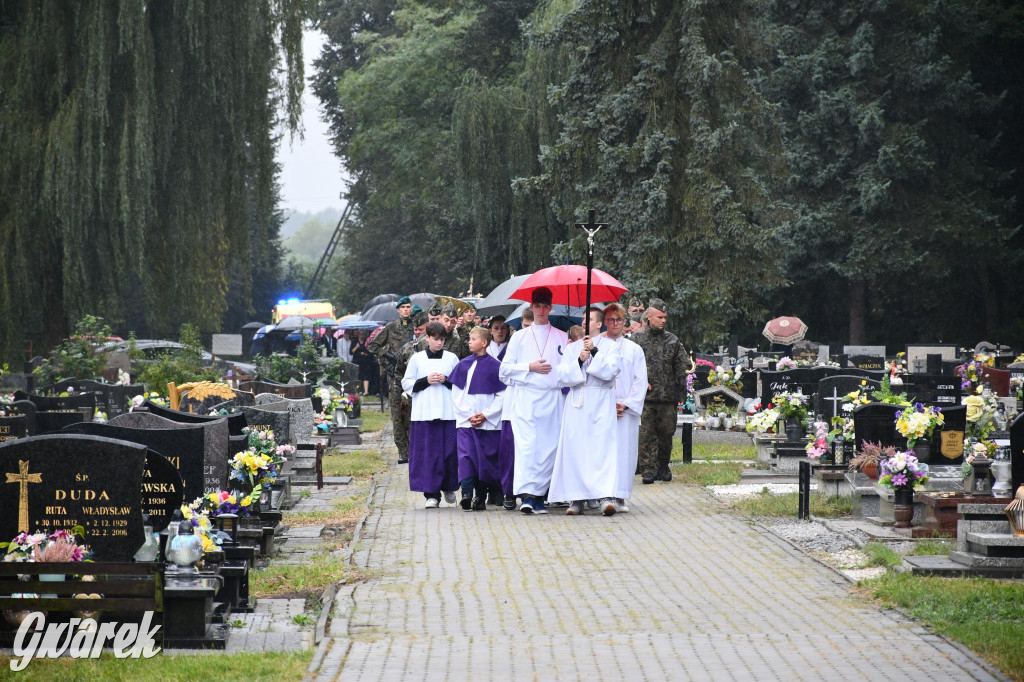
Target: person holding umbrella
536,404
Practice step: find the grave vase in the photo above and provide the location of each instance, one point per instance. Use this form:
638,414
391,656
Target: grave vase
340,417
923,450
903,507
794,430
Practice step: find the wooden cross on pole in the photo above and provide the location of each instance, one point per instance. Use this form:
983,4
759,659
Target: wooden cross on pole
591,227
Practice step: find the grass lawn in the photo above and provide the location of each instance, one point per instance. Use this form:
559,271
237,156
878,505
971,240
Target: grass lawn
311,577
983,614
249,666
787,504
373,420
715,451
360,464
708,473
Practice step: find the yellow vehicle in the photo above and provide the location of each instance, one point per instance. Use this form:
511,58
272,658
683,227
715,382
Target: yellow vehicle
319,309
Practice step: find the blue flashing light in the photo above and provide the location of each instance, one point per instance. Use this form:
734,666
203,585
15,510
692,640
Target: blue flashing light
281,302
293,300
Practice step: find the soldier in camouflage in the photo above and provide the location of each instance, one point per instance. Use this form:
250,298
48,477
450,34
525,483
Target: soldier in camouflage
401,404
385,345
666,376
453,342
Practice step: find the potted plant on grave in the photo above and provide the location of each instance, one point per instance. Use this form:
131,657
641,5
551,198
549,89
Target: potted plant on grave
903,475
793,408
818,448
869,457
762,421
916,424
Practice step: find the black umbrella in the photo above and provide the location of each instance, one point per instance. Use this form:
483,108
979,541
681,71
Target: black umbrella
380,298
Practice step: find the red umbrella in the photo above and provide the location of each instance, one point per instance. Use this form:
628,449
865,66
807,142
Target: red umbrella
784,330
568,284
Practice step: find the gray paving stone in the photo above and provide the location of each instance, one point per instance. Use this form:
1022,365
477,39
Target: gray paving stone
678,589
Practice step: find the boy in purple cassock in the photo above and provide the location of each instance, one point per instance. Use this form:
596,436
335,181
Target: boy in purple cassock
433,461
477,399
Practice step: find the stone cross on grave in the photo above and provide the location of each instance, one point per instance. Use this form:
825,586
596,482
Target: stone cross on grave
23,477
835,400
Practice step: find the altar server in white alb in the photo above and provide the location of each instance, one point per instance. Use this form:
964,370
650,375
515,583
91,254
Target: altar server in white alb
630,391
587,462
433,460
535,409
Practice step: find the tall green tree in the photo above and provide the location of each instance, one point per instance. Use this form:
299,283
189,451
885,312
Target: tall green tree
888,165
139,172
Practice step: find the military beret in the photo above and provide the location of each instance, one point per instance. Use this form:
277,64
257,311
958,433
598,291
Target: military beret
635,302
419,318
541,295
448,309
402,301
471,305
658,305
435,310
415,309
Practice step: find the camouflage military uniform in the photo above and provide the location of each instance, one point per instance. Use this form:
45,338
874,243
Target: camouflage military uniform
386,346
666,374
401,408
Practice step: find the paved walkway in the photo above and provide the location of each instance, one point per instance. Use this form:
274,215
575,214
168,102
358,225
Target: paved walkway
678,589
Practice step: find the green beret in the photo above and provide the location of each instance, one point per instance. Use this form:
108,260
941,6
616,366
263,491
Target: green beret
635,303
402,301
415,309
472,305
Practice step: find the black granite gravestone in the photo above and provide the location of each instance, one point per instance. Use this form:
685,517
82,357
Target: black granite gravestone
948,442
58,403
62,481
283,390
867,362
828,398
267,418
184,448
215,443
876,422
943,391
13,427
1017,453
110,398
27,408
236,421
786,381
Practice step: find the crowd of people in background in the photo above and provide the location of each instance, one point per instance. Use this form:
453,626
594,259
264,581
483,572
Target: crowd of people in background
533,418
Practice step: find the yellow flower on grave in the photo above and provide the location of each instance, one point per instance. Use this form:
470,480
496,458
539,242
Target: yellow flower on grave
208,544
247,500
863,382
853,395
231,499
975,407
980,389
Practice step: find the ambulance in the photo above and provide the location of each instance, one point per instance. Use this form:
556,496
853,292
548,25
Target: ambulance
319,309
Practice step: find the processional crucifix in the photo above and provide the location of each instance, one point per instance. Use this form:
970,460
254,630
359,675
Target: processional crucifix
24,478
591,227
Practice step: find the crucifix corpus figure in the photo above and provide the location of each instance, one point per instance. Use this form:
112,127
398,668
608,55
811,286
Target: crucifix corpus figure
591,227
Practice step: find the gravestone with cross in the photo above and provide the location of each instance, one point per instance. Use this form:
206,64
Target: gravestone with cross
57,482
785,381
828,399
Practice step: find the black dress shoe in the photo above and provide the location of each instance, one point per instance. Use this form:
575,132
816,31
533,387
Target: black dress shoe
466,501
647,479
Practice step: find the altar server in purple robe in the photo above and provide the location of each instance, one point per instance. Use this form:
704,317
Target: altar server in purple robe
433,459
477,399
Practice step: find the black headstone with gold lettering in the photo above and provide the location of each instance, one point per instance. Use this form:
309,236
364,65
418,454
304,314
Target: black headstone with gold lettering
13,427
61,481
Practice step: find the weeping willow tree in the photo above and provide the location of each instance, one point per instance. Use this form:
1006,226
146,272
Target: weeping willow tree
138,168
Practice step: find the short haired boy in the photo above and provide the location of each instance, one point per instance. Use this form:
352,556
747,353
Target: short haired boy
477,399
433,459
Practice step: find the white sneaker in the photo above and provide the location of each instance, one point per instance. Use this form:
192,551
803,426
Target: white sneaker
449,497
432,503
621,504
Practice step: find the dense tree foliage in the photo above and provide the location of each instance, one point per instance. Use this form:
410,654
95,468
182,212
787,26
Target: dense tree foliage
831,159
138,168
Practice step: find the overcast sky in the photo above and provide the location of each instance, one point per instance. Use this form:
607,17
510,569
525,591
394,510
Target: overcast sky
311,177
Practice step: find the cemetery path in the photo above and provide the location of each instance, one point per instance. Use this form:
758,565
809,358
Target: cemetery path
678,589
